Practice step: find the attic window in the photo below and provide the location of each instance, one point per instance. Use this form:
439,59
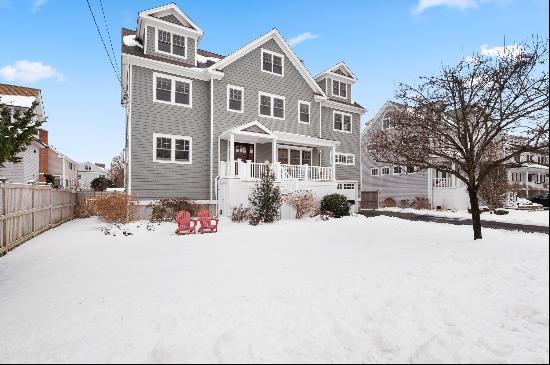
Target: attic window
339,89
272,62
172,44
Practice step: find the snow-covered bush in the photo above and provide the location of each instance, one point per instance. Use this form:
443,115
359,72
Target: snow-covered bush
404,204
240,214
421,203
500,212
116,208
165,210
389,203
337,204
303,201
265,199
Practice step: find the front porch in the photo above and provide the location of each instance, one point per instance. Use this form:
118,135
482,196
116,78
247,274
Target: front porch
246,151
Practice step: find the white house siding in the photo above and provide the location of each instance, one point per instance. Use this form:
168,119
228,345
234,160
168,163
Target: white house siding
27,169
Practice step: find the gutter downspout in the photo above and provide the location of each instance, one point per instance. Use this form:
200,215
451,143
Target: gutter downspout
211,139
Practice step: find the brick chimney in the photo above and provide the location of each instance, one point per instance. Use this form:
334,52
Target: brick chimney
43,136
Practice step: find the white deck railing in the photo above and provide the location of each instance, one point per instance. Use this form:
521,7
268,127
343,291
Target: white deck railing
254,171
442,182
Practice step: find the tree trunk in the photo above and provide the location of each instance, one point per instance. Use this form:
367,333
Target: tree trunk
476,213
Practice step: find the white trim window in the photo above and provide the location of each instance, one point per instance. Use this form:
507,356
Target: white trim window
304,111
172,44
168,148
342,122
294,155
397,170
273,63
345,186
385,170
339,89
172,90
411,169
375,171
235,99
344,158
270,105
386,123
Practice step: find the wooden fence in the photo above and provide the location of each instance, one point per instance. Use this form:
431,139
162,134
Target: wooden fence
28,210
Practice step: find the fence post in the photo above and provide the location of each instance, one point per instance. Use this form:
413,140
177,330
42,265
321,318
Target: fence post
51,206
5,213
33,206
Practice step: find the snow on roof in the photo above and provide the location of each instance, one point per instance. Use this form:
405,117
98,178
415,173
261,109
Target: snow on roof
17,100
203,59
535,166
130,41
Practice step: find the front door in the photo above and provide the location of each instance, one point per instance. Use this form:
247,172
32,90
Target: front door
244,151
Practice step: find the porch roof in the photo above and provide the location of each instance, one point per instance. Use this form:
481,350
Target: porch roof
257,131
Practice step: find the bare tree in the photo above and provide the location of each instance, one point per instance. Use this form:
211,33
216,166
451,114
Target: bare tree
116,171
450,121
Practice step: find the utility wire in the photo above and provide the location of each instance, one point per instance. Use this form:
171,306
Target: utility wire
108,34
103,42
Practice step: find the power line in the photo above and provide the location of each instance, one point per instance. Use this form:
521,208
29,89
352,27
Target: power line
103,42
108,33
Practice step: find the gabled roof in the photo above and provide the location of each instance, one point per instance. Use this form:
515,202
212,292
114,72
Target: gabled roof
6,89
379,114
247,128
171,9
276,36
340,69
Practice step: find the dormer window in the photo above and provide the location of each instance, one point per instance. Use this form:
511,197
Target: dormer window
172,44
272,62
339,89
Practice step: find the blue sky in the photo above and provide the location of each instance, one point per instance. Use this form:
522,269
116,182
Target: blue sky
53,45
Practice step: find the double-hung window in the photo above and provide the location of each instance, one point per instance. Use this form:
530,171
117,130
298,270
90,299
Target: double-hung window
397,170
235,98
303,111
386,123
339,89
171,148
173,44
374,171
306,157
271,106
172,90
344,159
272,62
385,170
342,122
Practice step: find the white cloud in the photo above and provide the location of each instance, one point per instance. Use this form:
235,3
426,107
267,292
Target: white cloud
28,71
513,50
458,4
37,4
301,38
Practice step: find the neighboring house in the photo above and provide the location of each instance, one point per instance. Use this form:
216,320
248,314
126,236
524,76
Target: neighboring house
200,125
88,171
445,191
39,159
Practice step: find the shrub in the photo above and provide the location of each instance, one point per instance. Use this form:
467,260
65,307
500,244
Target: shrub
501,212
389,203
421,203
326,215
404,204
85,209
254,219
303,201
335,203
50,179
240,214
116,208
265,199
165,210
100,184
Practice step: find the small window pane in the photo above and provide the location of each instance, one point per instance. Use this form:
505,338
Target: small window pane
294,157
164,89
338,122
347,123
282,156
374,172
179,45
267,62
265,105
278,108
335,87
343,89
397,170
277,65
306,157
304,113
182,93
182,150
164,41
410,169
235,99
164,148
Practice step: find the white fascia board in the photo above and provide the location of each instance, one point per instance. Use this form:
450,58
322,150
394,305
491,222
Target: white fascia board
337,77
170,27
330,72
190,72
286,137
167,9
276,36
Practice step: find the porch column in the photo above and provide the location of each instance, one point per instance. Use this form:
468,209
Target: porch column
231,154
333,157
274,163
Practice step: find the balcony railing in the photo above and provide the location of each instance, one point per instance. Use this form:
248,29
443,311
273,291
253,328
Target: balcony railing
442,182
282,172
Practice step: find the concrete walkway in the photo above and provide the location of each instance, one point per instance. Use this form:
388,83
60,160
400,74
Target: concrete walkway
457,221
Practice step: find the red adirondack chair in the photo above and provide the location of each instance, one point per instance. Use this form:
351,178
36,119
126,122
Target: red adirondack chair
206,222
185,224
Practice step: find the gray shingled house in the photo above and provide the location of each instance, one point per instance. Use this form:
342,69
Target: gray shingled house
201,126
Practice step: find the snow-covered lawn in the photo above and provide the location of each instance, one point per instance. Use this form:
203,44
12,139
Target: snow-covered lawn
349,290
537,218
